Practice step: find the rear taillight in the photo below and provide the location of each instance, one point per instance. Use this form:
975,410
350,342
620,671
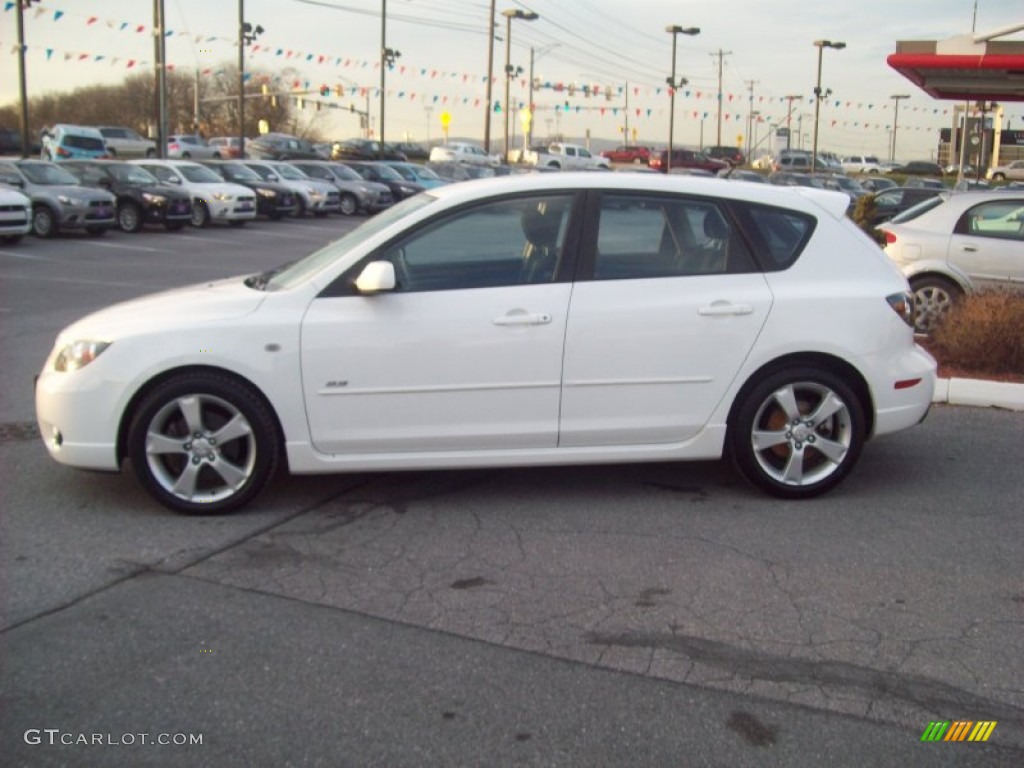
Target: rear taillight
61,152
174,146
890,238
903,305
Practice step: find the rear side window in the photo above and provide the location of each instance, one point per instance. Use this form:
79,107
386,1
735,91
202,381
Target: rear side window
84,142
780,234
644,237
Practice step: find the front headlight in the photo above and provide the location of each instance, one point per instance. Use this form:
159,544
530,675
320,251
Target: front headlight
65,200
265,192
78,354
149,197
222,197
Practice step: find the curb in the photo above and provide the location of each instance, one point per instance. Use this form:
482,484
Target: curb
981,393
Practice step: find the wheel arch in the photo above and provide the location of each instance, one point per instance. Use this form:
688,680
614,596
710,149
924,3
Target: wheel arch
949,275
825,361
129,410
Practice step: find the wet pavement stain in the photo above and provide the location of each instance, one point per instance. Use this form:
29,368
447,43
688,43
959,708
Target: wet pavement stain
476,581
752,730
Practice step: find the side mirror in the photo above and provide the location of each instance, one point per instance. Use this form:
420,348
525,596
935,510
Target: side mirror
376,277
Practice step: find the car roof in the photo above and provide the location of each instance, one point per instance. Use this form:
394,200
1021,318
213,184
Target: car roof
806,199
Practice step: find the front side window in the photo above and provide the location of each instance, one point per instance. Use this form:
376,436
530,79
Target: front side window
644,237
514,241
163,173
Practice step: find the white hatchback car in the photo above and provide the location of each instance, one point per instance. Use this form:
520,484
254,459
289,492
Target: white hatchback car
957,242
528,320
213,199
462,152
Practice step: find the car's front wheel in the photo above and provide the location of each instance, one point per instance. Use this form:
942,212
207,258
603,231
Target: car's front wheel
44,221
349,204
200,214
203,443
129,217
933,297
798,432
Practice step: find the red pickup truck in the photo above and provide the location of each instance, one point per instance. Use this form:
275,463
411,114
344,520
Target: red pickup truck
628,154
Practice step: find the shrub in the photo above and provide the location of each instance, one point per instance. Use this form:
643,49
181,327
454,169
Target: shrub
983,331
863,213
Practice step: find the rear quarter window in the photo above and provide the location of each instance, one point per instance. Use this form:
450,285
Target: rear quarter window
778,235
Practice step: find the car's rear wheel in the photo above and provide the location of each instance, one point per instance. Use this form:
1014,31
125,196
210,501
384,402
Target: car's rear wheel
203,443
999,177
933,297
200,214
349,204
798,432
44,221
129,217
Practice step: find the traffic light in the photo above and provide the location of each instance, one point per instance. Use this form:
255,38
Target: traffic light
339,91
324,90
497,106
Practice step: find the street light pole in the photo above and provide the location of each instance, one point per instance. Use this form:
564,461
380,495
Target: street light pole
490,77
510,14
821,45
895,119
387,60
246,34
22,85
675,30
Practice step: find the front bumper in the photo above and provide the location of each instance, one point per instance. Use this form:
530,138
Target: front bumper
77,414
92,215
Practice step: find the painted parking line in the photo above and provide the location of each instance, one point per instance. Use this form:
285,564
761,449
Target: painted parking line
76,280
218,240
120,247
28,256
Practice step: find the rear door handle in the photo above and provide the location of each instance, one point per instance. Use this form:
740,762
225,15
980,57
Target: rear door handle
719,308
523,318
971,248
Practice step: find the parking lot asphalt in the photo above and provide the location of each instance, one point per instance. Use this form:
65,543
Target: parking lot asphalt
645,614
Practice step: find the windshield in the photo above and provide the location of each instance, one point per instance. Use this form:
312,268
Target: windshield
42,173
345,173
239,173
305,268
290,172
423,173
387,172
131,173
199,174
405,172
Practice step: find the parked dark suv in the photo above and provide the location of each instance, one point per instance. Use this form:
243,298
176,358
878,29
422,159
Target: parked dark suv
273,199
686,158
731,155
141,198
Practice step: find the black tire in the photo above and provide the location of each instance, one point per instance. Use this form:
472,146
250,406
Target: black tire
216,155
999,177
150,153
206,475
300,209
129,217
933,296
349,204
237,222
186,155
11,239
797,433
112,152
44,222
200,214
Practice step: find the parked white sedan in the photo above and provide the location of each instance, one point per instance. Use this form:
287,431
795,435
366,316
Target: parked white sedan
462,152
528,320
955,243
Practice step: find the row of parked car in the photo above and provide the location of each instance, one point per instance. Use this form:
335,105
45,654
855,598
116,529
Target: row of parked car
95,195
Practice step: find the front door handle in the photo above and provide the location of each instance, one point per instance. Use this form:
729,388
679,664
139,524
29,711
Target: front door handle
719,308
971,248
518,317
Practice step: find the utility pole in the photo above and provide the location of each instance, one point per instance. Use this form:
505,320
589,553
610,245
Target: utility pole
720,56
490,77
160,54
789,116
750,114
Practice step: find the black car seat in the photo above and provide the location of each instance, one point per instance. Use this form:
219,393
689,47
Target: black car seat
542,223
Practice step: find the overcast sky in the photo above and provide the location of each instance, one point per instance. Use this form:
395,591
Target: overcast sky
616,44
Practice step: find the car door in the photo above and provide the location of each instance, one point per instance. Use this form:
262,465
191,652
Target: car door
656,335
465,354
988,243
